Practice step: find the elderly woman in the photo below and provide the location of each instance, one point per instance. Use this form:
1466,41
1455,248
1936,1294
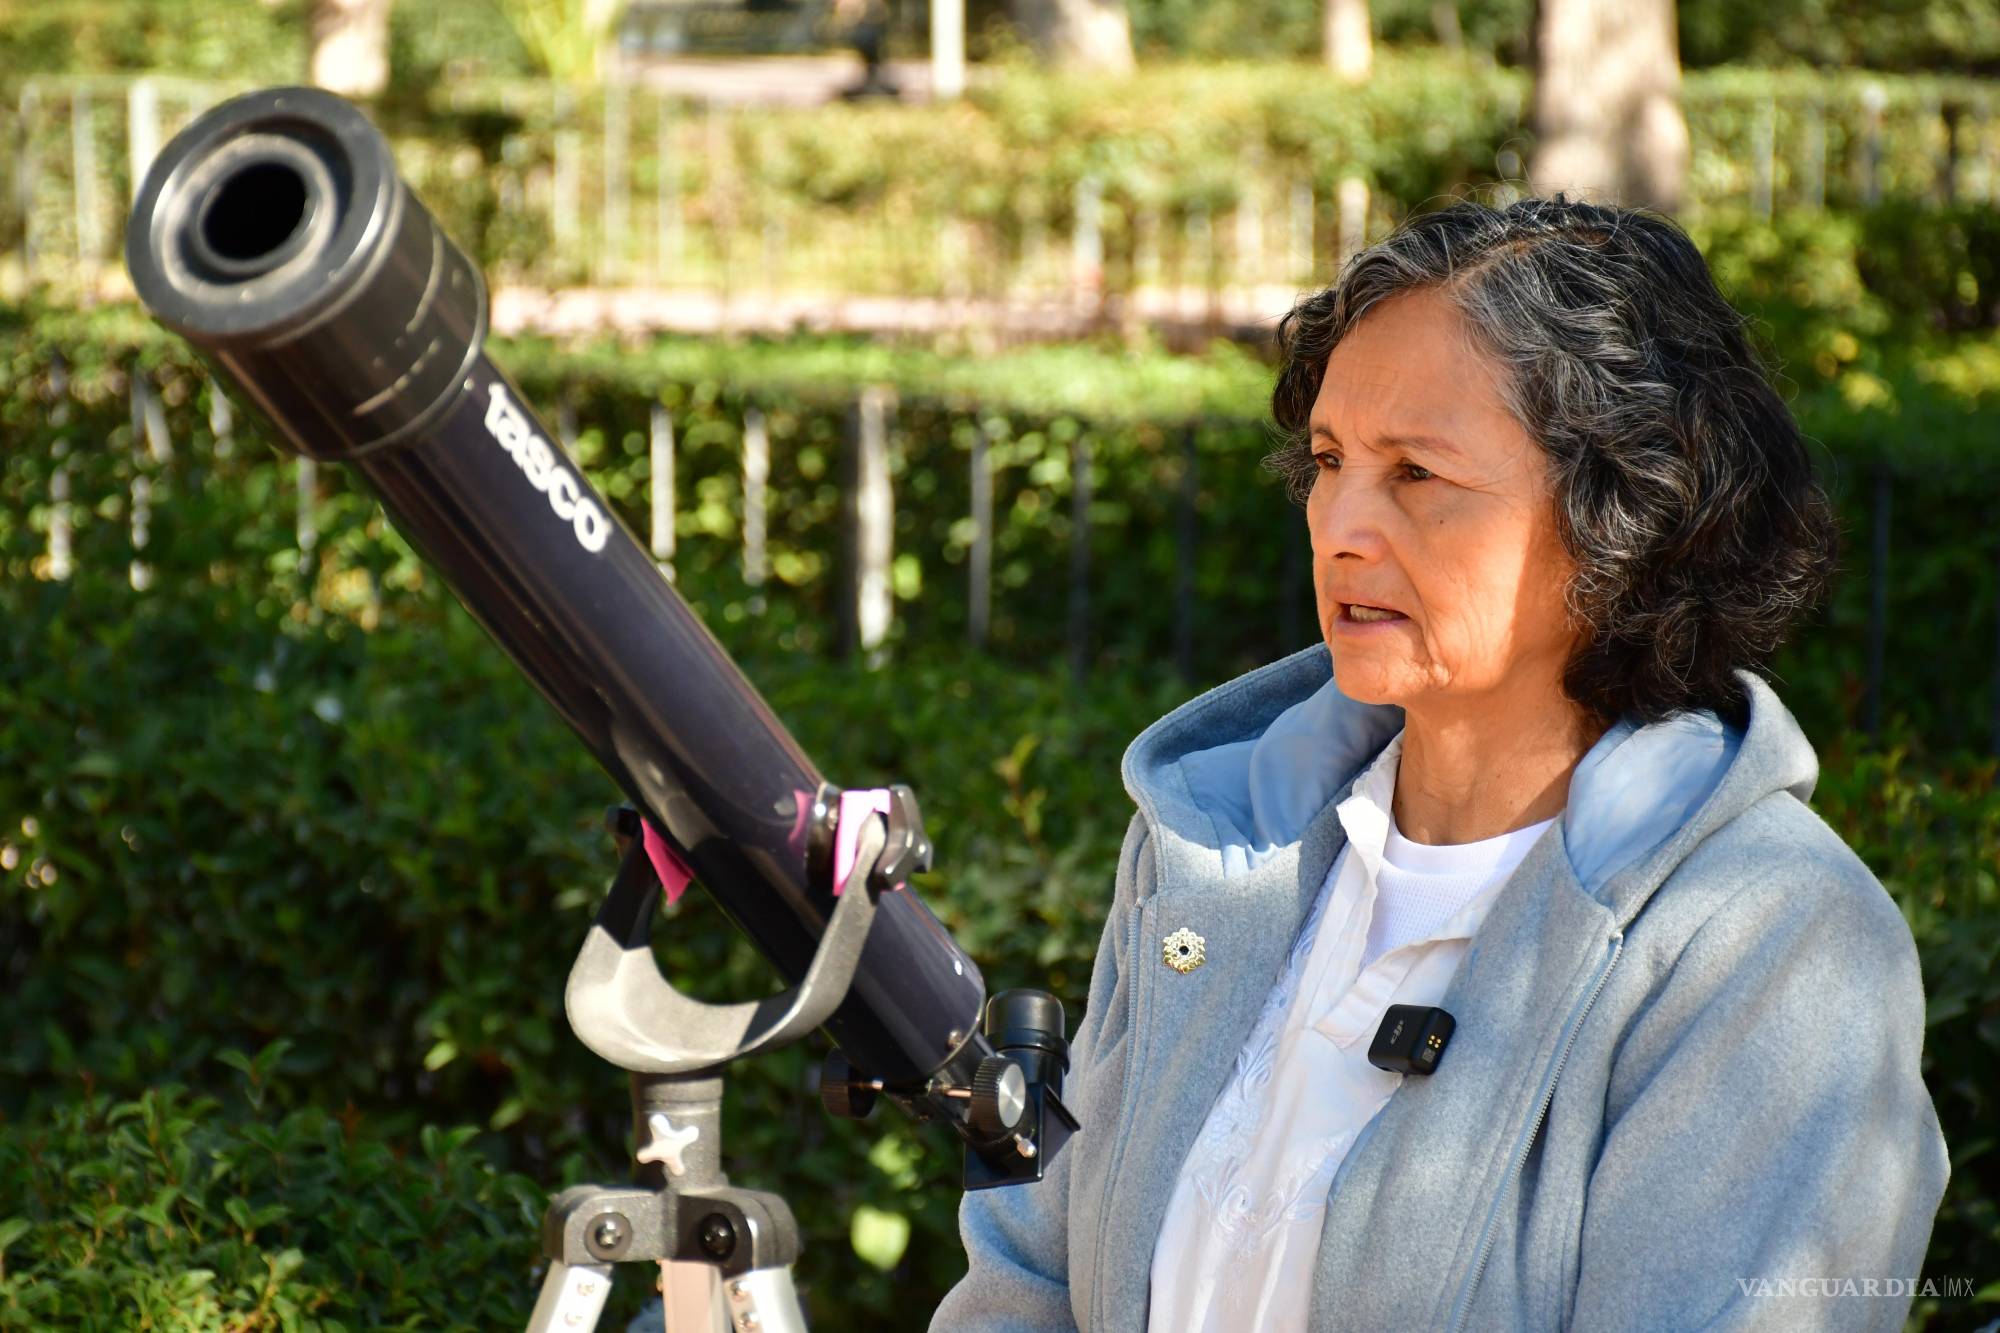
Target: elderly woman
1532,778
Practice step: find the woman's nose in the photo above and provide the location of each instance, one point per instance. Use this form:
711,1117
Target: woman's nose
1346,516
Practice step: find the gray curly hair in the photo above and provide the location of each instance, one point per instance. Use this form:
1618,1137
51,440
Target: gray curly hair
1683,488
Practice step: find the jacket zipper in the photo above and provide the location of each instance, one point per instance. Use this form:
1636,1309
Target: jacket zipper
1142,977
1462,1306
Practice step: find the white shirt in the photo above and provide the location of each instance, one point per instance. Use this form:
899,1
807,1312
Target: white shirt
1392,920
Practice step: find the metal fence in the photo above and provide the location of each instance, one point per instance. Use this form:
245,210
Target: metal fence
860,601
653,192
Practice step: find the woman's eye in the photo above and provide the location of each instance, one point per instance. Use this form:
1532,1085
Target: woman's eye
1326,462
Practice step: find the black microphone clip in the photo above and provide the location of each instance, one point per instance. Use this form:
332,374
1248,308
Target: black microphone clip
1411,1039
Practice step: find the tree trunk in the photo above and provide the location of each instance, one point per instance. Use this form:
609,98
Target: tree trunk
1607,103
1094,35
1350,49
350,46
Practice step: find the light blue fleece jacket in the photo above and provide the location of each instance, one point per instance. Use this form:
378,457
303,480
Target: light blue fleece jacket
1685,1067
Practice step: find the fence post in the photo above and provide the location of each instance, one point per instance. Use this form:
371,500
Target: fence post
1993,153
617,203
1249,254
568,182
1873,100
149,420
566,423
981,571
59,553
1184,556
1146,248
756,476
867,547
221,420
1079,557
83,178
954,251
1198,243
25,180
772,237
660,457
666,197
947,49
1815,156
142,126
60,562
1878,603
1087,242
1034,241
306,529
1304,269
1764,147
151,447
1948,113
1353,198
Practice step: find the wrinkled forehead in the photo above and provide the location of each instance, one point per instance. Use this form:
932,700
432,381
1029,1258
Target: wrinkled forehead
1409,369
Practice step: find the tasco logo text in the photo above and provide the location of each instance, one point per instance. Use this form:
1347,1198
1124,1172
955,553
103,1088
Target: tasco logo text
540,464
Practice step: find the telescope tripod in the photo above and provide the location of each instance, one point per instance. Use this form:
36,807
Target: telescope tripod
725,1253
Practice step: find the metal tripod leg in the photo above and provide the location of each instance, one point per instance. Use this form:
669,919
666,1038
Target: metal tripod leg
725,1253
693,1300
764,1301
572,1297
692,1294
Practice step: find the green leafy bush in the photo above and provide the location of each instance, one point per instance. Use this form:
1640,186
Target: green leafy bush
230,815
174,1211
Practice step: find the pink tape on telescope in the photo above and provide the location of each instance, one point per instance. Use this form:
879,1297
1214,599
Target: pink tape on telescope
855,807
802,808
667,864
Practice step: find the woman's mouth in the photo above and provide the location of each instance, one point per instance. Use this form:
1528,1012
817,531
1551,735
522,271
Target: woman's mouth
1355,613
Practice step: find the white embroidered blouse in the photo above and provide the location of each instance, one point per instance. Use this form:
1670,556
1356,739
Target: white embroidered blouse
1391,922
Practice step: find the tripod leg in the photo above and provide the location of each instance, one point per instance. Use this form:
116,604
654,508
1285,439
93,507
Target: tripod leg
764,1300
692,1294
573,1295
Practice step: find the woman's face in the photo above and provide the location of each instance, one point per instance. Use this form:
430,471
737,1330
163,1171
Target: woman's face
1432,503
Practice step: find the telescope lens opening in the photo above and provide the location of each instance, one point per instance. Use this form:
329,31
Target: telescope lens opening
252,215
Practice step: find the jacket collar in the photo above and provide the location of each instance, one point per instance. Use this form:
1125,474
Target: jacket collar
1239,771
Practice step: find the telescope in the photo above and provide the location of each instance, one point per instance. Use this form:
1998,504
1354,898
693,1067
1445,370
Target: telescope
275,234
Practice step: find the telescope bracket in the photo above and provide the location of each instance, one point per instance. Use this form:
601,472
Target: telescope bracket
622,1008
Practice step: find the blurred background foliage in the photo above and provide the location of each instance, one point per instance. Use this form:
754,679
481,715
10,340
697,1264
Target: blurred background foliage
293,864
261,41
232,817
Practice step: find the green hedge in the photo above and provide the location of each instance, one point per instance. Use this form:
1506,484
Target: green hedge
1857,310
225,829
230,817
176,1211
981,193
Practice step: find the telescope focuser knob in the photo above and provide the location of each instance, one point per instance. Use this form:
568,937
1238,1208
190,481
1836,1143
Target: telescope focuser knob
999,1097
844,1094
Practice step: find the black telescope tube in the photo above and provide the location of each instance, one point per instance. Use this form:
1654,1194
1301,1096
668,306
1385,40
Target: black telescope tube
276,236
